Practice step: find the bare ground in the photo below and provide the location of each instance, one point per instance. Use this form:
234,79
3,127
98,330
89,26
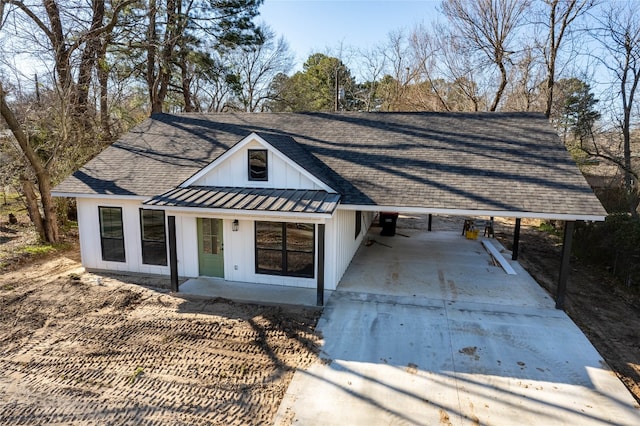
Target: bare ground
78,348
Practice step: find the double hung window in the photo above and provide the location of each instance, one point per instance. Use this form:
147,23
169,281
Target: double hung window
111,234
153,235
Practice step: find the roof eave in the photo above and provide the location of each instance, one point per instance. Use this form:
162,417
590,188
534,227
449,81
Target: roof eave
468,212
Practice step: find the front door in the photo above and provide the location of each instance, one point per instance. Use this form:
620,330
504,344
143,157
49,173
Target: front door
210,247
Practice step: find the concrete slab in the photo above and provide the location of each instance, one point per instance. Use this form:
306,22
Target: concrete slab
439,265
488,348
251,293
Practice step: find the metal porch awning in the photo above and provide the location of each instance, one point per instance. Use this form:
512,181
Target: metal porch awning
252,199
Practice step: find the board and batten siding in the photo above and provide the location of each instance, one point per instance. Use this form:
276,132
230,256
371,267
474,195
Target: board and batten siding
234,172
342,243
90,245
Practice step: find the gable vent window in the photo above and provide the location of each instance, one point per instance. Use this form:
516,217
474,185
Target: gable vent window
258,165
111,234
153,234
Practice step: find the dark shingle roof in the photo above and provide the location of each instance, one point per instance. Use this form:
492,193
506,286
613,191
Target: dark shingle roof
254,199
509,162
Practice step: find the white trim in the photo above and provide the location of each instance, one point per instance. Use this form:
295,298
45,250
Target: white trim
499,258
99,196
237,147
237,214
464,212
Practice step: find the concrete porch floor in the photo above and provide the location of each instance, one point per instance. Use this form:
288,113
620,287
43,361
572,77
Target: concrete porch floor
251,293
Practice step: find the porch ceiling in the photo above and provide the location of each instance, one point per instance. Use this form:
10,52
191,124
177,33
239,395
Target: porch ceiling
254,199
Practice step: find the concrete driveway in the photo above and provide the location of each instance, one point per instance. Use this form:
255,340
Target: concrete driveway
428,332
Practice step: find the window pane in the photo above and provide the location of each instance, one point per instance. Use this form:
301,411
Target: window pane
269,235
154,253
153,225
111,222
206,226
269,261
257,164
300,264
300,237
113,249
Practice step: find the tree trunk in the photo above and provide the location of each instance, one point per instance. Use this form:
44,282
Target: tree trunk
503,84
49,221
32,205
103,80
88,61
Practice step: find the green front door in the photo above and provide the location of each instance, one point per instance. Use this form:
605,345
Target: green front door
210,247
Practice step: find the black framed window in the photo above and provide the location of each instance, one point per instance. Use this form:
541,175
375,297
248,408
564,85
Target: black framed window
358,223
153,237
284,248
258,167
111,234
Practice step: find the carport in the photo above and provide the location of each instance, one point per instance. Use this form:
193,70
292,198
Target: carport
439,249
438,265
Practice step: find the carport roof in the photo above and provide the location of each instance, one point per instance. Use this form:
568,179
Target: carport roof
485,163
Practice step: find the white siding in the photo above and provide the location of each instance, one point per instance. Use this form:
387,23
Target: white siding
342,243
90,246
234,172
239,246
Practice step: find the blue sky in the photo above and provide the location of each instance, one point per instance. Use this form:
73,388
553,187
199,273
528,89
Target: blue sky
311,26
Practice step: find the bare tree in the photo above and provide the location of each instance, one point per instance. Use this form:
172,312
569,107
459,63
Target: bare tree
46,223
489,27
372,66
560,16
619,35
256,66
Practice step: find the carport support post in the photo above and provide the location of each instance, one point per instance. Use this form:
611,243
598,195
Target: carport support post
564,266
173,254
516,240
429,224
320,284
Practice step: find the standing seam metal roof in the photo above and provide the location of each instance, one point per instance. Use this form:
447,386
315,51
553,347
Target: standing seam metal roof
272,200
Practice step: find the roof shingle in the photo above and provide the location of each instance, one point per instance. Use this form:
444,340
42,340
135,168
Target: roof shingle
511,162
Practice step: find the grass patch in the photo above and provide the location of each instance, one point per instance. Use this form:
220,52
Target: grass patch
43,249
549,229
13,205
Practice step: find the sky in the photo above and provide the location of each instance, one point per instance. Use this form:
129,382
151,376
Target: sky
311,26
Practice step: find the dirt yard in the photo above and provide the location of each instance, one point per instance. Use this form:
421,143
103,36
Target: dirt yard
78,348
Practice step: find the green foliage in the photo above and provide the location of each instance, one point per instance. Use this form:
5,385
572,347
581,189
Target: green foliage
615,244
314,88
574,108
549,228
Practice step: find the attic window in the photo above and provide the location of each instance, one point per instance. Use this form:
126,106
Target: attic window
258,164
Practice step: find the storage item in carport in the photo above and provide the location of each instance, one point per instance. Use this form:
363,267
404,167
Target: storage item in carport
388,223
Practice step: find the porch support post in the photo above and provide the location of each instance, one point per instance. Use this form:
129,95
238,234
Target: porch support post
429,225
320,283
516,240
564,266
173,254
